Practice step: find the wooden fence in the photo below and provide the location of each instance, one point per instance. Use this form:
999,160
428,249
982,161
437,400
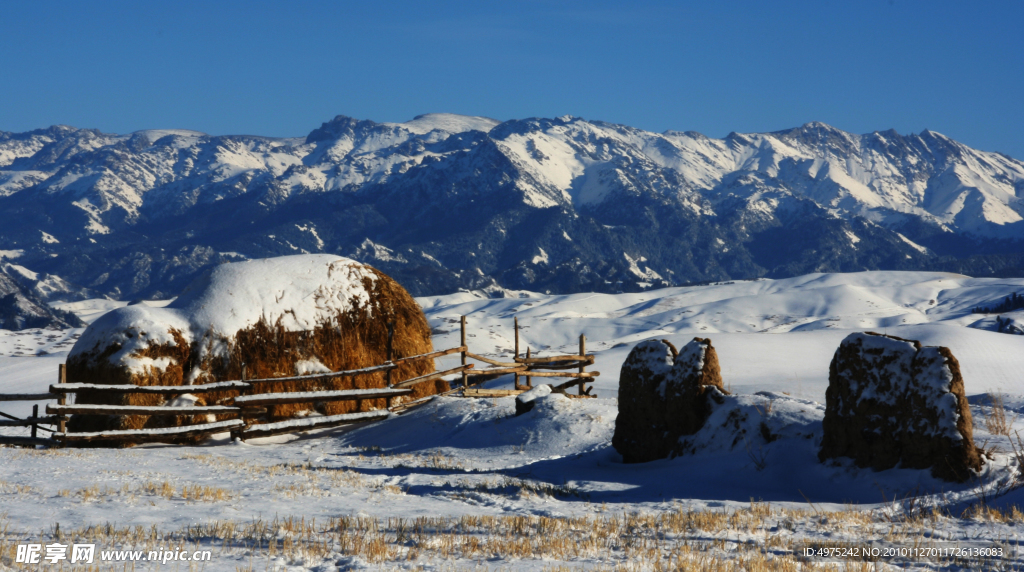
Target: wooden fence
247,408
530,366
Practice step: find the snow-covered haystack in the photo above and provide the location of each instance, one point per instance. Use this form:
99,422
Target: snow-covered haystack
890,401
664,394
279,317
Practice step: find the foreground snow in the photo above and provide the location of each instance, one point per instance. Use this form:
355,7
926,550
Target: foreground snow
465,483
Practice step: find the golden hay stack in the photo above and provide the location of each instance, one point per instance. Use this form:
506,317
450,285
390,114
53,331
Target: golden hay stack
280,317
664,394
891,401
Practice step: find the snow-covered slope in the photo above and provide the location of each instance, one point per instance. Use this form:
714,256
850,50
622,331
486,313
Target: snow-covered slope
22,306
460,457
465,202
815,312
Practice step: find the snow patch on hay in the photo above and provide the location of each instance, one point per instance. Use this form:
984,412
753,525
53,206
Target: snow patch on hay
299,291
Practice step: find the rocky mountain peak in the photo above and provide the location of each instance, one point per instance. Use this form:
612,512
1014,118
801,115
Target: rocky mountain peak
458,201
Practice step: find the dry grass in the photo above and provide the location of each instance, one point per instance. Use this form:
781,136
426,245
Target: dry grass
997,422
187,492
16,489
432,460
298,479
758,538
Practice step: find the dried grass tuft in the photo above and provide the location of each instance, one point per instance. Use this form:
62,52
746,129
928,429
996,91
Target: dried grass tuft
760,538
997,422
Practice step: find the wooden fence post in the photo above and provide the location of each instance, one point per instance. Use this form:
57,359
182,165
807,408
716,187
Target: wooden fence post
35,416
237,434
583,352
465,377
391,356
391,347
62,399
515,381
529,380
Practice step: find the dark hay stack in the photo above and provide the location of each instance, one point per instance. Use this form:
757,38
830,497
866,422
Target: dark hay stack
340,340
891,401
664,394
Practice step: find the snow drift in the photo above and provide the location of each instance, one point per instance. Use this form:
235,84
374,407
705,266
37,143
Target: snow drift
278,317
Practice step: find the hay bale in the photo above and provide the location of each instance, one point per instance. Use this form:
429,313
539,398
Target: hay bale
664,394
282,316
891,401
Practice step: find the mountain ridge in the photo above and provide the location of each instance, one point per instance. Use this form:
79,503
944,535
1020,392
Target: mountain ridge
447,202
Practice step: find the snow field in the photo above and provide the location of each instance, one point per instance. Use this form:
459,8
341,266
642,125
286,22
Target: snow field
465,484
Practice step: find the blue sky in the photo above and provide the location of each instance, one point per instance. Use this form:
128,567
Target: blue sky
283,68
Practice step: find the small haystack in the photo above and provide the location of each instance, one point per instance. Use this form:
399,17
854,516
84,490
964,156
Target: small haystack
279,317
663,395
890,401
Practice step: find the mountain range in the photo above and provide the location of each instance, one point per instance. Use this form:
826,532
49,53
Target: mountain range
446,202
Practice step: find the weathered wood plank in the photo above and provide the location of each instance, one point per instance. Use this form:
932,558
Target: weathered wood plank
431,355
491,361
497,370
432,376
477,392
586,374
346,373
307,423
150,435
157,389
30,421
27,396
546,359
158,410
559,365
310,396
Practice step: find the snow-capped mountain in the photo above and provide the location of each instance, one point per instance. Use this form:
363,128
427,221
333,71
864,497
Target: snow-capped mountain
444,202
22,306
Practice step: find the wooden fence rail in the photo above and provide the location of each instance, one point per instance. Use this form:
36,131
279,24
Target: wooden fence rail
534,366
155,410
28,422
157,389
26,396
307,423
35,422
311,396
432,376
153,435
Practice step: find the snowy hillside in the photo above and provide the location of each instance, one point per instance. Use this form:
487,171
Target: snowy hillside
815,312
459,459
23,300
444,202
